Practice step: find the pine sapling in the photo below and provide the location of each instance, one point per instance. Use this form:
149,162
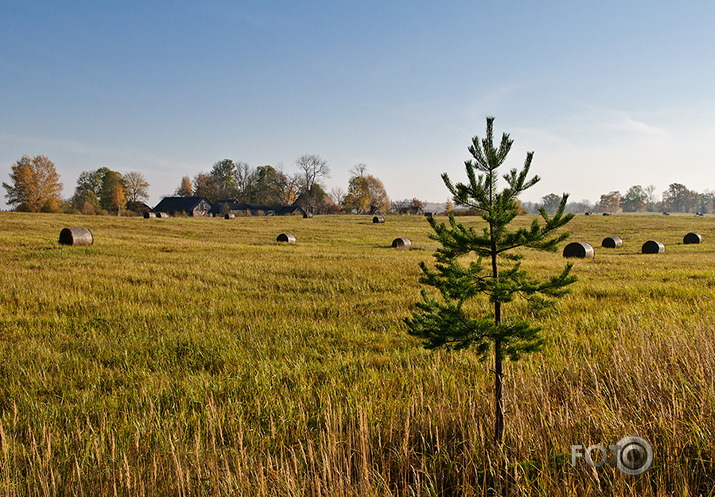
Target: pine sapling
449,320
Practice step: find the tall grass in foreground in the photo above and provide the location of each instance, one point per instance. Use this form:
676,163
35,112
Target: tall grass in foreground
199,357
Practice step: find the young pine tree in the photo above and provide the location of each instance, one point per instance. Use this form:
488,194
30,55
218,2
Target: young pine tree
452,321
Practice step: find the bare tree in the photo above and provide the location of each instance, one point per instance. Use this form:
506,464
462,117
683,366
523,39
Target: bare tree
359,170
312,168
245,179
337,195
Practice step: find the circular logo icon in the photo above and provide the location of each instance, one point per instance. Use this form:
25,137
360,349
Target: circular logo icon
635,455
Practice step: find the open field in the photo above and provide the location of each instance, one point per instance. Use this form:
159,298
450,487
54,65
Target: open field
200,357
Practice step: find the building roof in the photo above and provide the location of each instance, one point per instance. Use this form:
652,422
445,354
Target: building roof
234,205
285,210
180,204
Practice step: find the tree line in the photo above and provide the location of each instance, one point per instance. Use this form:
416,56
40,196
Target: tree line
677,198
266,185
35,187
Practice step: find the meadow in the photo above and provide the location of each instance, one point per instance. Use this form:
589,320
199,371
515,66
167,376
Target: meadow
190,356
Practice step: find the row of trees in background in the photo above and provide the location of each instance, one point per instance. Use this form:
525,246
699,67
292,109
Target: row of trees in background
266,185
107,190
35,186
677,198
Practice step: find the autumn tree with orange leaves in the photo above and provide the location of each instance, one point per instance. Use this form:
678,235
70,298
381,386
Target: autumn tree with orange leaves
35,185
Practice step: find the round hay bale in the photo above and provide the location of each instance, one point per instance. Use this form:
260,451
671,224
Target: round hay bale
653,247
378,219
229,215
580,250
148,215
76,236
402,243
612,242
308,215
286,237
587,213
162,214
692,237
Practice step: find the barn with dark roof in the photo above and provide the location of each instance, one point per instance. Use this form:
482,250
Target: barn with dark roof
190,206
226,205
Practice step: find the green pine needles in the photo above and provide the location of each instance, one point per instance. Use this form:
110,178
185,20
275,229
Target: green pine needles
449,322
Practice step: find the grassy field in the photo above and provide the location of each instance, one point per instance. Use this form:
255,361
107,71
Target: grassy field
200,357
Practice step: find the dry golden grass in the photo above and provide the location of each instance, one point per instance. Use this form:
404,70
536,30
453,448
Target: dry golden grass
200,357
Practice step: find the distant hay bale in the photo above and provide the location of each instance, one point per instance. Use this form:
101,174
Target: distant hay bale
606,213
76,236
402,243
612,242
378,219
148,215
587,213
580,250
162,214
653,247
286,237
692,237
229,215
308,215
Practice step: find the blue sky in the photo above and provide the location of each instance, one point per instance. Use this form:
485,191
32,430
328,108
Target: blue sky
607,94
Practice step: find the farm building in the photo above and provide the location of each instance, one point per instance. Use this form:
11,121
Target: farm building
291,210
231,205
191,206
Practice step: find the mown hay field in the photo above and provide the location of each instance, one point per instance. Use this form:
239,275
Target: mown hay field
201,357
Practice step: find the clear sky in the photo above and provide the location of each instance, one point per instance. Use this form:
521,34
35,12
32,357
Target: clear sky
607,94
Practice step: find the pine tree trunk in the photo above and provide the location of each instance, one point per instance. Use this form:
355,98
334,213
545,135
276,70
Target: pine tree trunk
498,382
498,365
